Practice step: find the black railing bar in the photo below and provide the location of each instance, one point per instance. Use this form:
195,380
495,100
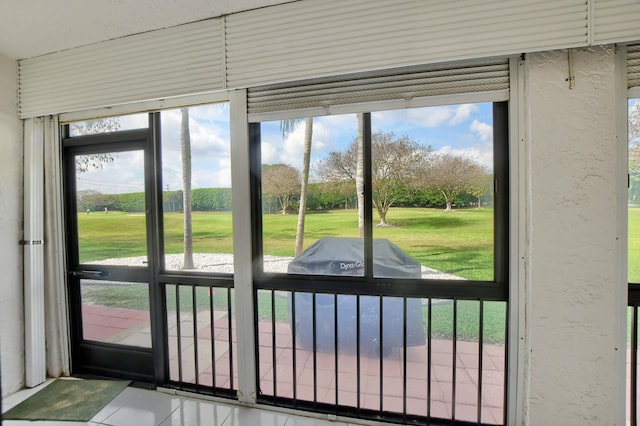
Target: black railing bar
197,279
230,324
194,312
381,350
213,336
633,405
295,350
480,356
454,342
358,352
404,358
335,344
179,333
415,288
429,359
315,349
273,345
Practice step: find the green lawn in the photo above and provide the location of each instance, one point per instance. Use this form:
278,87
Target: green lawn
459,242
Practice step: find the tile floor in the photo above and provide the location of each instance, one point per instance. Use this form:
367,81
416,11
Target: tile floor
139,407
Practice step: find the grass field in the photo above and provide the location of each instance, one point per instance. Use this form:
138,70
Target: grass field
460,242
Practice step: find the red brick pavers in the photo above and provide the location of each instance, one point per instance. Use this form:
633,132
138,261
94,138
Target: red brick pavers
116,325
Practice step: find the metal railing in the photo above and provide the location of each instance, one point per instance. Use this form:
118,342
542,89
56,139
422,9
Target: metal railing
397,359
201,338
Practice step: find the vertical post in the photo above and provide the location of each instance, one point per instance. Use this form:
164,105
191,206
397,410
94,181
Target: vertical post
243,276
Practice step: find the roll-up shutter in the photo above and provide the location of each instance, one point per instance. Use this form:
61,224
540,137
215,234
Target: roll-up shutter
633,65
316,38
174,61
615,21
408,83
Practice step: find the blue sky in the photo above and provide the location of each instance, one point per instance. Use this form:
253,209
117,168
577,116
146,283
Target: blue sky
457,129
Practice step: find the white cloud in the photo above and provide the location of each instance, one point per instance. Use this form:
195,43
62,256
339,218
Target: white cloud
462,113
482,154
484,130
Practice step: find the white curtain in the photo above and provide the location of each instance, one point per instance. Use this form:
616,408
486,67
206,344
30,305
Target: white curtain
56,307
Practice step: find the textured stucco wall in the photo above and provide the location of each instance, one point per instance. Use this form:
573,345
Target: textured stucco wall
574,317
11,305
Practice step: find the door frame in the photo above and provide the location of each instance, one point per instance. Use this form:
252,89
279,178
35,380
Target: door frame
105,359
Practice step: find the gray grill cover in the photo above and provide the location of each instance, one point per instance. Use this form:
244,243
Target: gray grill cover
344,256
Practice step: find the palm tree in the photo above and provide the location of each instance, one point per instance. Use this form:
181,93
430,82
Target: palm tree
288,126
360,175
185,146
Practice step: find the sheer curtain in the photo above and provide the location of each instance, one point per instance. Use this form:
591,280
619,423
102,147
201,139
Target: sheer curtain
46,320
56,308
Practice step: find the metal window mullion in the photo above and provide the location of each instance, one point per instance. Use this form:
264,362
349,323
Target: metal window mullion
480,355
367,164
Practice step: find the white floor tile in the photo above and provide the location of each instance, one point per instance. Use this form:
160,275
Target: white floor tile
243,416
308,421
42,423
147,409
195,412
123,398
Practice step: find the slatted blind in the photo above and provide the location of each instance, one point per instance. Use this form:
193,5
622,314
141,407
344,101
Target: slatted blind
315,38
407,83
174,61
615,21
633,65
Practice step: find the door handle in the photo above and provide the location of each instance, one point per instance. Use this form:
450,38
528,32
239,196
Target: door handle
90,274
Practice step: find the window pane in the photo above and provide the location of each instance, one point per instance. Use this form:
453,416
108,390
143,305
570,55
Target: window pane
111,208
109,124
115,312
196,174
634,191
432,188
331,206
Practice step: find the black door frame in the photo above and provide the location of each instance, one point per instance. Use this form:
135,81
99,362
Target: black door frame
98,358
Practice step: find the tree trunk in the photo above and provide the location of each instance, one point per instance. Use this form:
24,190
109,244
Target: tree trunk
360,175
302,210
185,146
448,201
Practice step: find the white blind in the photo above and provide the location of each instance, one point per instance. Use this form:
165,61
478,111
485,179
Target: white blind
315,38
615,21
408,83
633,65
175,61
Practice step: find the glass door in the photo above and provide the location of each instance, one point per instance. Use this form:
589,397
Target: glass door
108,199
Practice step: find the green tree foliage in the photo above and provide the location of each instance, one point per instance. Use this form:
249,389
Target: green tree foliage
634,153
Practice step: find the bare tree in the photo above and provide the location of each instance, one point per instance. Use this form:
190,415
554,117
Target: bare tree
185,146
395,164
282,182
360,174
634,152
452,175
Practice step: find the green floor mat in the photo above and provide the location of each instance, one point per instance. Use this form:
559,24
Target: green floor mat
67,400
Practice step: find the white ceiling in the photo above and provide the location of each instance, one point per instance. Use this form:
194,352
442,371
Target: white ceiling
31,28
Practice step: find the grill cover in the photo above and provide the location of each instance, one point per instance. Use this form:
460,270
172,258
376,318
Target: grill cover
344,256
